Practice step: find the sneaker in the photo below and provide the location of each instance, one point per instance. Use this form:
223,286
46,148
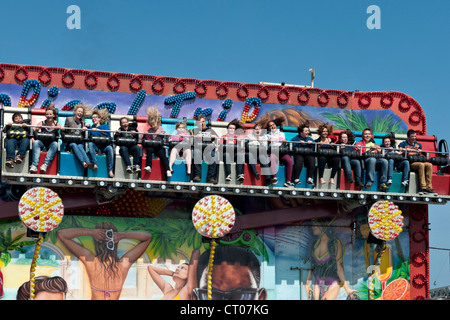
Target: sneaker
273,181
43,168
148,169
422,192
383,187
168,173
297,182
136,168
359,183
33,168
368,185
111,174
350,179
196,179
257,176
389,182
9,163
228,178
240,177
288,184
129,169
18,159
431,192
310,182
405,183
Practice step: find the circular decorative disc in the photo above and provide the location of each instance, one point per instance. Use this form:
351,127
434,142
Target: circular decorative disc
41,209
385,220
213,216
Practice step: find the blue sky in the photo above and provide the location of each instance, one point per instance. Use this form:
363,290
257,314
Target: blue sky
252,41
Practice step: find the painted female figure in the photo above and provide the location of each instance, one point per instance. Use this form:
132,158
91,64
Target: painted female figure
106,270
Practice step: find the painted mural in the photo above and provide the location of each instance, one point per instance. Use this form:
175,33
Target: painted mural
107,258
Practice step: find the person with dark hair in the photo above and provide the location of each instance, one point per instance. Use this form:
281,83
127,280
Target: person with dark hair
326,255
401,165
127,132
236,275
276,138
303,140
51,127
76,126
231,153
325,143
184,277
17,133
205,150
346,141
423,169
45,288
182,138
257,152
106,270
369,149
100,129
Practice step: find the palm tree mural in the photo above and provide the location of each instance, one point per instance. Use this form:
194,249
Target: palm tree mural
356,121
8,244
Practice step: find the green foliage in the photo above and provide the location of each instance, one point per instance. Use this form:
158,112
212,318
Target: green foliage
8,243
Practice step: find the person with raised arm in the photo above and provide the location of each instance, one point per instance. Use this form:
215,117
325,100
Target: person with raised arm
100,129
105,269
49,126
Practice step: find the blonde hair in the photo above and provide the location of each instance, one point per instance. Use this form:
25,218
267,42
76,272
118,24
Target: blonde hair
84,107
154,117
103,115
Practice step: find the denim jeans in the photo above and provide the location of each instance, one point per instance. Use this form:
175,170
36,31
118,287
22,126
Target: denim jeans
376,163
263,160
228,159
51,151
108,151
12,144
403,166
347,164
135,152
80,153
210,158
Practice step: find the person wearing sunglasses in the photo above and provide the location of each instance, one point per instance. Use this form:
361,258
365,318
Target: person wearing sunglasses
105,269
235,275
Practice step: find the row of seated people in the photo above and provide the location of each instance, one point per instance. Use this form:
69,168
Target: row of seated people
302,151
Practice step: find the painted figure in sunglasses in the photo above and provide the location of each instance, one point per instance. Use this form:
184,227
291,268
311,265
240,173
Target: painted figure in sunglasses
106,270
326,257
236,275
184,278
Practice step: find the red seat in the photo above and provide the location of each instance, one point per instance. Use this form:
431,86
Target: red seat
52,169
157,172
249,178
344,184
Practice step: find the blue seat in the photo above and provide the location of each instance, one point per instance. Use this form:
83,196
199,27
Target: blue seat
70,166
